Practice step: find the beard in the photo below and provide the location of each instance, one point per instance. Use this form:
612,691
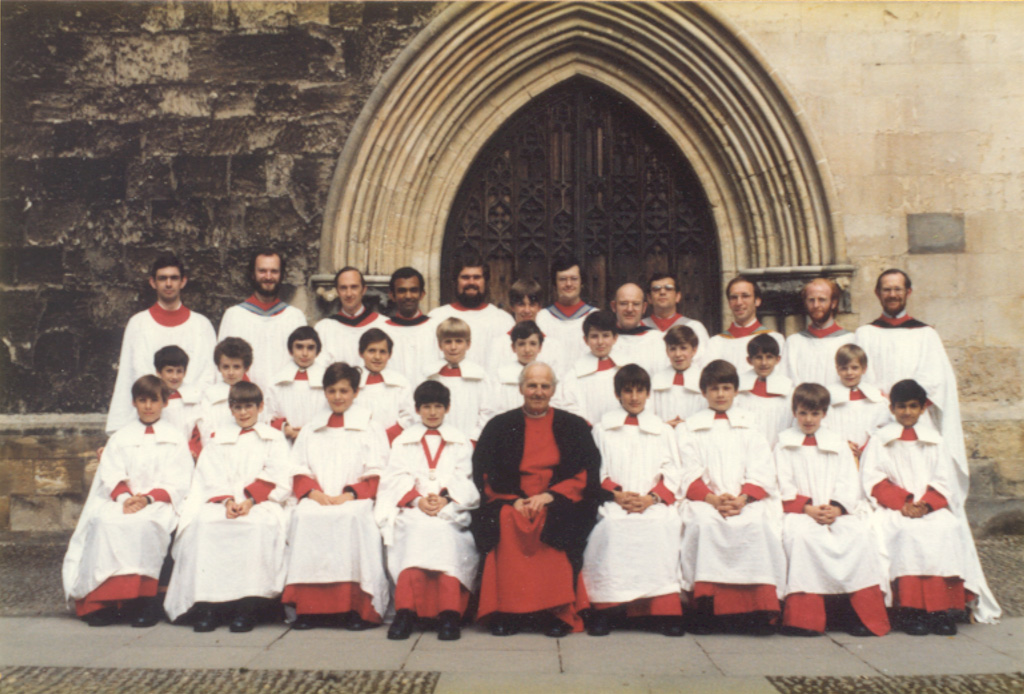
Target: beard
260,289
471,301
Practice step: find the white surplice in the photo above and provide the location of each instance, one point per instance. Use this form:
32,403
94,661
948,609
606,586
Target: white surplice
390,401
811,359
855,420
297,401
341,341
471,395
671,401
587,392
774,413
734,349
485,324
266,334
415,348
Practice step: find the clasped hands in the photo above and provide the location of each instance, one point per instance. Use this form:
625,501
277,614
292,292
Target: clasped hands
532,506
915,510
825,514
633,502
727,504
431,504
326,500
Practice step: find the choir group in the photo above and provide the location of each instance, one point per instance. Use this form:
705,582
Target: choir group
558,467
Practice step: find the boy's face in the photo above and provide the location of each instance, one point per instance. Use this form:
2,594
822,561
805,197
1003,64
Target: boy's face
720,396
231,370
633,399
149,409
808,420
172,376
432,414
304,353
600,342
454,349
763,364
907,413
340,396
527,349
376,356
681,356
851,373
527,310
246,414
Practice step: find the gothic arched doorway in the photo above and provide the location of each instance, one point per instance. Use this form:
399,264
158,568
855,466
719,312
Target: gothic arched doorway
581,170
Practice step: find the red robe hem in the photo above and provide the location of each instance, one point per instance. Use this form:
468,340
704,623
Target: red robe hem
738,599
330,598
930,593
115,590
429,593
668,605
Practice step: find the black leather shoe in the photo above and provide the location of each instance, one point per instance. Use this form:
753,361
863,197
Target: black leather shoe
942,624
558,629
401,628
102,617
797,631
503,625
205,621
244,621
357,623
150,610
598,624
304,622
448,628
915,623
858,629
673,626
759,624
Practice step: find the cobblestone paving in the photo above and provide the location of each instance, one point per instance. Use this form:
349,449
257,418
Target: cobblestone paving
946,684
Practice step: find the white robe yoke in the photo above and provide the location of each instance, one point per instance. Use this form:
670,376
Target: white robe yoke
646,349
855,420
415,346
182,412
214,411
564,335
485,324
390,401
671,401
811,359
734,349
341,341
506,388
296,402
471,395
266,332
775,413
587,392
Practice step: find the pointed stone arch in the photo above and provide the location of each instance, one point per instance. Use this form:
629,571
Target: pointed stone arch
476,64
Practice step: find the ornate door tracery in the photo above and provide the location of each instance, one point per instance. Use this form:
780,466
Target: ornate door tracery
581,170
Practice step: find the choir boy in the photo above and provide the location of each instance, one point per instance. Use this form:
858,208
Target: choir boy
589,390
527,341
233,357
297,395
631,564
764,390
230,545
118,547
676,390
182,411
858,408
834,564
470,385
733,565
524,300
384,391
919,520
335,574
426,494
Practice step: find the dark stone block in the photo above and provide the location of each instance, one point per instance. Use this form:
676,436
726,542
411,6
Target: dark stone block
272,220
56,354
66,309
280,99
201,176
19,312
347,14
378,12
322,137
291,55
150,178
217,137
249,175
26,58
101,139
187,219
26,140
310,184
53,221
936,232
38,265
80,179
415,13
17,177
12,221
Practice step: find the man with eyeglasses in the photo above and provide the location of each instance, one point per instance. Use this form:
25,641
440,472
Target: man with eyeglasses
664,296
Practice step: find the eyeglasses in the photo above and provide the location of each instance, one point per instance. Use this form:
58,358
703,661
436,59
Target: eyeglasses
655,288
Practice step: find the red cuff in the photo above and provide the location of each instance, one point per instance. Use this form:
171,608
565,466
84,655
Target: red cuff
278,423
663,493
121,488
610,486
393,431
935,499
796,505
409,496
219,499
195,442
889,495
303,485
367,489
259,491
698,491
753,491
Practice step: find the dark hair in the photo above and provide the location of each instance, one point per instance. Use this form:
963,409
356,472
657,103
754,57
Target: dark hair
602,321
908,390
430,392
266,251
375,335
243,393
522,331
717,372
661,276
813,396
631,376
404,273
171,355
892,271
349,268
149,387
851,352
470,259
743,278
681,335
763,344
233,348
561,263
305,332
340,371
167,260
523,289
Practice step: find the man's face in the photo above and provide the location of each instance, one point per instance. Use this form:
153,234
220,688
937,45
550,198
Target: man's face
763,363
893,294
304,353
907,413
850,373
527,349
172,376
629,306
818,302
232,370
432,414
537,388
340,396
454,349
568,285
350,292
664,296
600,342
149,409
742,302
246,414
720,396
681,356
470,286
376,356
266,275
407,295
633,399
525,310
168,283
808,420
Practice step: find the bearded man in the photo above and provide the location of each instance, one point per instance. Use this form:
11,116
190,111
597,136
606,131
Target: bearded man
811,353
486,321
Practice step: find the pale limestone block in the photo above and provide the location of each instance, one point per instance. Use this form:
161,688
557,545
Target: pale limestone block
935,153
938,47
874,194
1000,442
166,16
1003,317
949,116
180,102
761,17
994,275
890,47
36,513
935,276
958,321
1006,154
989,375
849,155
848,16
923,16
984,192
874,234
314,13
151,59
992,232
53,477
70,511
823,79
263,15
